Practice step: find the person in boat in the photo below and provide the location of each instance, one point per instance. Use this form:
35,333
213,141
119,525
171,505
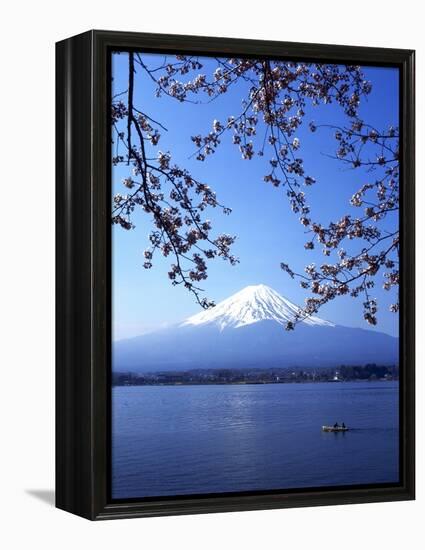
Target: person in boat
343,425
336,425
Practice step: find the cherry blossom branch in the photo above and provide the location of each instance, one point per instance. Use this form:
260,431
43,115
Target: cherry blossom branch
169,217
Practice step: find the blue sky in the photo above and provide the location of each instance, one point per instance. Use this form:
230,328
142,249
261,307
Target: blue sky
268,232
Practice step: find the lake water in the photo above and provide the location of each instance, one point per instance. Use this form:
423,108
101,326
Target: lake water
176,440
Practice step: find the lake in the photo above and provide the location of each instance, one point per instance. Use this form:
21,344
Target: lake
176,440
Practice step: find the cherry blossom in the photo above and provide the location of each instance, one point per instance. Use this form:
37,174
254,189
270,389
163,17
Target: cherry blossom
357,247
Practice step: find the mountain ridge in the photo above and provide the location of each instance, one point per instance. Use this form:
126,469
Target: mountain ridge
247,329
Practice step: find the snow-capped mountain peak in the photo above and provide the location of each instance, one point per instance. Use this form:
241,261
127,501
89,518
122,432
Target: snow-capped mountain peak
250,305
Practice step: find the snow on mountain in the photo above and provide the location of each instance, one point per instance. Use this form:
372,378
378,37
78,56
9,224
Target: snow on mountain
251,305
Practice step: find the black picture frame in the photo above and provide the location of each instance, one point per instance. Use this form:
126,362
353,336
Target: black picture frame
83,288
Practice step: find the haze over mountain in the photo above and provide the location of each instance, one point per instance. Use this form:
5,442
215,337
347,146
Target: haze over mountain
248,330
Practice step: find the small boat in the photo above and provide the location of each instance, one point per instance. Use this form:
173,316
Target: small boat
335,429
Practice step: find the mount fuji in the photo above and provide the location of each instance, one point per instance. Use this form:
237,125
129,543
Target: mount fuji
248,330
252,305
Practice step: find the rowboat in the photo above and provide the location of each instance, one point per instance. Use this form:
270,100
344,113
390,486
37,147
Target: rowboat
334,429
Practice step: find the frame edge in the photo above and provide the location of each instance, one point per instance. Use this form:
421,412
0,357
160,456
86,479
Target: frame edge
81,281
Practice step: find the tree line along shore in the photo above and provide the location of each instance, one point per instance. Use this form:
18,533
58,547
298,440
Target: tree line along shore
371,372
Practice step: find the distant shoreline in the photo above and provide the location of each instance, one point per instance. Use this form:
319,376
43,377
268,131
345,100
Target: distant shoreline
247,383
244,377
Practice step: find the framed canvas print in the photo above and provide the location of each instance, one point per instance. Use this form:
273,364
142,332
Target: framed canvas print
235,274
